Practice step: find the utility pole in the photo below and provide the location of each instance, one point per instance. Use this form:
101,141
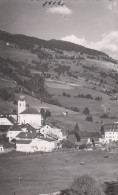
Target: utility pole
19,182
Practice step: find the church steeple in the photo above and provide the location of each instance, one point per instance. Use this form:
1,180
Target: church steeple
21,105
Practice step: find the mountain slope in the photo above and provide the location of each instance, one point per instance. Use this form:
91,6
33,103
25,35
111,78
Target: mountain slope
26,42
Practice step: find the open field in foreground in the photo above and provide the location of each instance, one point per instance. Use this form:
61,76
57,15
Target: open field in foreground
51,172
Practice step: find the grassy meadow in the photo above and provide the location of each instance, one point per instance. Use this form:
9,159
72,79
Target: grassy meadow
52,172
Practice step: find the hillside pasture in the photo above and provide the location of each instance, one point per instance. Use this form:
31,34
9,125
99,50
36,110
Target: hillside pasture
69,122
59,85
5,106
17,54
46,173
5,83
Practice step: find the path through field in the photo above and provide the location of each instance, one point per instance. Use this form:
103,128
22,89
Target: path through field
103,106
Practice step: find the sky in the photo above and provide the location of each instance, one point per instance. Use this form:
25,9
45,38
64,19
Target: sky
91,23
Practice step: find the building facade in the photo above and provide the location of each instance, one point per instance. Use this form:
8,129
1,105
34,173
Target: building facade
111,132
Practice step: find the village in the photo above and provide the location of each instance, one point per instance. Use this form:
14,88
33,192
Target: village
29,133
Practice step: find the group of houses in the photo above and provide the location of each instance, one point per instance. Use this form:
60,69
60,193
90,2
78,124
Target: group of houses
26,129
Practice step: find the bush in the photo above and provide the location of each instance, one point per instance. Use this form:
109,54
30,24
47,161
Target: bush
86,111
105,115
88,96
75,109
68,144
84,185
111,188
66,94
89,118
98,98
47,113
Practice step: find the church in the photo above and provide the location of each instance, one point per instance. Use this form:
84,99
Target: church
28,115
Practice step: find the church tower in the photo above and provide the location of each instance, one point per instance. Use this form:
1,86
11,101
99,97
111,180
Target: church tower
21,105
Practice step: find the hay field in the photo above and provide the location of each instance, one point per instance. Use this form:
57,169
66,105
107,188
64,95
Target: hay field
51,172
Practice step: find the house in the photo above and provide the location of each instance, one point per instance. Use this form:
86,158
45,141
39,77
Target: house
26,135
48,131
28,115
24,145
73,136
110,132
13,131
28,128
4,129
7,120
84,136
89,137
37,144
1,148
43,144
32,142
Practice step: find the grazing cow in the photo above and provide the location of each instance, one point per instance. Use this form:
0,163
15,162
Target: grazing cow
82,163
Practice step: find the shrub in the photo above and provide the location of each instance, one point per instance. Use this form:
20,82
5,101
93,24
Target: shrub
105,115
98,98
47,113
66,94
75,109
89,118
84,185
86,111
68,144
76,129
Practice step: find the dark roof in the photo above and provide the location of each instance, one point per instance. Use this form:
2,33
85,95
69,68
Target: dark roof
28,127
111,126
23,141
85,134
4,128
53,136
27,135
15,127
30,111
47,139
10,118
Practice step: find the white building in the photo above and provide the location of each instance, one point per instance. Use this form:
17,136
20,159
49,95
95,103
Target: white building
111,132
50,131
24,146
30,116
21,105
42,144
13,131
6,120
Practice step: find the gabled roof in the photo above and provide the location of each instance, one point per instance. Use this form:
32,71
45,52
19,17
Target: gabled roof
4,128
26,135
47,139
30,111
10,118
53,136
85,134
23,141
28,127
15,127
111,126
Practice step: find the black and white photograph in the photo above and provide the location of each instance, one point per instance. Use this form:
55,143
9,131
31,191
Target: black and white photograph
58,97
